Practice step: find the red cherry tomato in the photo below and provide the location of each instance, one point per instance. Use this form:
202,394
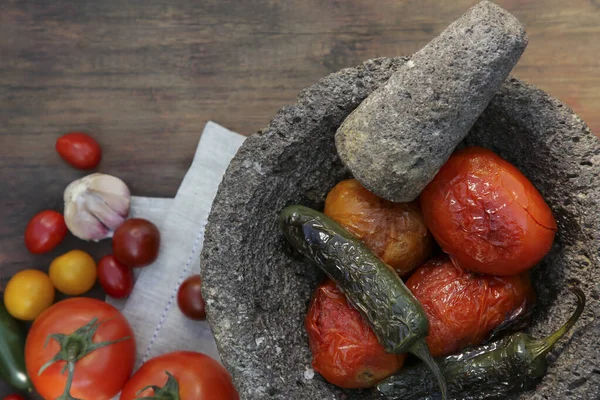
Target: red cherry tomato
14,397
196,375
487,215
463,307
79,150
100,373
189,298
345,350
115,278
45,231
136,242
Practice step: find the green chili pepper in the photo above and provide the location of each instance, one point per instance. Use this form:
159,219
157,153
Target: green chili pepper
12,352
371,286
493,371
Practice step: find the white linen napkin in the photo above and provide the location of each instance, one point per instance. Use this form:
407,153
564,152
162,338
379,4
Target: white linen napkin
152,309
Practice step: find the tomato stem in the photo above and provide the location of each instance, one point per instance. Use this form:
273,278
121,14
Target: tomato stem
67,393
73,348
168,392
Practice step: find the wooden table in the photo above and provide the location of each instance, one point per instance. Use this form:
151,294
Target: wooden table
144,76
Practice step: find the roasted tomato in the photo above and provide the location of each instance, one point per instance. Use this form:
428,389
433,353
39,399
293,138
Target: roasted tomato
464,307
80,348
487,215
184,375
344,347
395,232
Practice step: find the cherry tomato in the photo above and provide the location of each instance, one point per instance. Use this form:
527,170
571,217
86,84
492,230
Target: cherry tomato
345,350
116,279
99,374
45,231
28,293
395,232
14,397
73,273
189,298
463,307
197,376
79,150
487,215
136,242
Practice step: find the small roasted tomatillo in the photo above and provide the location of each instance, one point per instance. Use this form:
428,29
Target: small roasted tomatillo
136,242
395,232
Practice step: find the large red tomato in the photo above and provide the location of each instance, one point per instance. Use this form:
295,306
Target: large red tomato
345,350
80,322
184,375
463,307
487,215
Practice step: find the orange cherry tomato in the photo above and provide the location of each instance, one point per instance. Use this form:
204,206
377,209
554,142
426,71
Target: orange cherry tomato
345,350
487,215
98,375
45,231
395,232
79,150
464,307
182,375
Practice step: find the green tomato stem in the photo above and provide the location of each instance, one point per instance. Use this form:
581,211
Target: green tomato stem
73,348
168,392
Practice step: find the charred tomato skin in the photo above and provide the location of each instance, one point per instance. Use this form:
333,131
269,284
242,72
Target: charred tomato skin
487,215
344,347
464,307
395,232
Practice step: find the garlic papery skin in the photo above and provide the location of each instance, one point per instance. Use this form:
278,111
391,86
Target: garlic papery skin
96,205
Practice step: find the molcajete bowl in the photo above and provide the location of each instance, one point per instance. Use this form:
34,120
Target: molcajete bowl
258,294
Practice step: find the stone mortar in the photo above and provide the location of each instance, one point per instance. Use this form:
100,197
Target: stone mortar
257,294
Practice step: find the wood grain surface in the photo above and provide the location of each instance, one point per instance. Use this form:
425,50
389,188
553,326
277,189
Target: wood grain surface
144,76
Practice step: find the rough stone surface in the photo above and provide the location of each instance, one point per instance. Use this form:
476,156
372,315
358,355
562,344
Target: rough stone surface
398,138
258,294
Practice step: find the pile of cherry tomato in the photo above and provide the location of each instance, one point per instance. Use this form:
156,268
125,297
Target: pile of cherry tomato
492,226
83,347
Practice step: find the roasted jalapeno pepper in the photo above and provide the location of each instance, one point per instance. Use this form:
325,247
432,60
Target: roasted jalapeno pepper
493,371
12,352
371,286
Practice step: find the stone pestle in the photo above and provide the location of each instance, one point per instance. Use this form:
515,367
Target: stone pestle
397,139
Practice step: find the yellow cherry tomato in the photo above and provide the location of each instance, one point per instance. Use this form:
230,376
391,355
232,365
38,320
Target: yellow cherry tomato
28,294
73,273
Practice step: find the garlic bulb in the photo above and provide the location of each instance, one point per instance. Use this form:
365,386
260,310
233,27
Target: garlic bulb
95,206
